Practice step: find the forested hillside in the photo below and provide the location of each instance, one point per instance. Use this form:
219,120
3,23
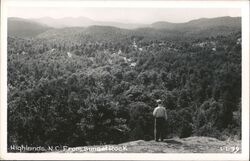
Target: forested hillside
25,28
98,85
196,28
233,22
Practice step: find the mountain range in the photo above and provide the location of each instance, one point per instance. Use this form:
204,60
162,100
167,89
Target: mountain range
82,22
20,27
32,27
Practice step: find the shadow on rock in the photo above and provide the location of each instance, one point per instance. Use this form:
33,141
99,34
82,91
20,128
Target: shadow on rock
172,141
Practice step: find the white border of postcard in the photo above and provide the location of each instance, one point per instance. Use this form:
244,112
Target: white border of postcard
243,5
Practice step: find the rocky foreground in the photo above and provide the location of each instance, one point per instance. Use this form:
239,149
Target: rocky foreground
174,145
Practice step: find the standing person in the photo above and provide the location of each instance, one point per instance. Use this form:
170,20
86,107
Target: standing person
160,115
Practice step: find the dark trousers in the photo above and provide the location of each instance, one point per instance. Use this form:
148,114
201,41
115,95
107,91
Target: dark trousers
159,128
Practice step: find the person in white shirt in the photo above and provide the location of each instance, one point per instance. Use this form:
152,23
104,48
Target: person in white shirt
160,115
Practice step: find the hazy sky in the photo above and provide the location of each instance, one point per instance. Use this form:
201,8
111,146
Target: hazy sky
129,15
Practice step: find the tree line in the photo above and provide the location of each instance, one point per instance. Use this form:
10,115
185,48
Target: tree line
96,97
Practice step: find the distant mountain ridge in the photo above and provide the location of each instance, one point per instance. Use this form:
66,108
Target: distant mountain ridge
85,22
234,22
200,27
82,22
25,28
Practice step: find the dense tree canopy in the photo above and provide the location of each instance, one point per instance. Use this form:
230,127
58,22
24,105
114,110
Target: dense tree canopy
90,90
